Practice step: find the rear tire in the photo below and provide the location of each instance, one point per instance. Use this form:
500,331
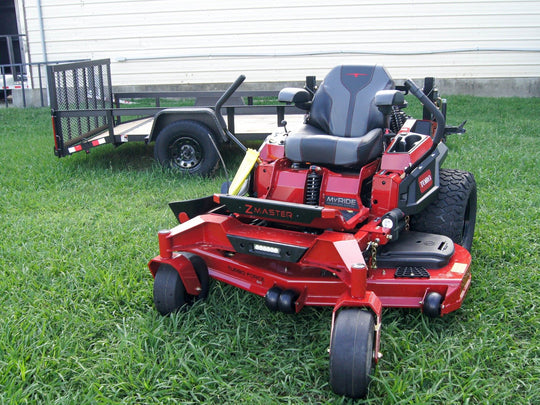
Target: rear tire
186,146
352,352
453,212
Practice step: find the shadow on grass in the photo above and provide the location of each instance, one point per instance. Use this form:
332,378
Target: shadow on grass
138,157
125,157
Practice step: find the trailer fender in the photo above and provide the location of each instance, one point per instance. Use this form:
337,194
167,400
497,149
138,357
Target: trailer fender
206,116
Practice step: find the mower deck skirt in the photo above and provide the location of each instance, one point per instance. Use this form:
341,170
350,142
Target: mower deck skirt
320,277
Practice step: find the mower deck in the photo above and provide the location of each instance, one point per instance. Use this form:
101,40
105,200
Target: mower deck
318,267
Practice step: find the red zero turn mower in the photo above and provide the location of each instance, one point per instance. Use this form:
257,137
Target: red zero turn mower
351,210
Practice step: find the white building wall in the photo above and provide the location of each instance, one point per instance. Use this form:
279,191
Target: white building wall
212,41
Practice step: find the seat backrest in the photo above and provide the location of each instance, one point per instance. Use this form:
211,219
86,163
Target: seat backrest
343,104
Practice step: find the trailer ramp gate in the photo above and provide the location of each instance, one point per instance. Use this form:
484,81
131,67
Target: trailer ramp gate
81,101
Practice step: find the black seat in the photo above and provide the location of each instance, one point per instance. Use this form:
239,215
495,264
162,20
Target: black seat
344,127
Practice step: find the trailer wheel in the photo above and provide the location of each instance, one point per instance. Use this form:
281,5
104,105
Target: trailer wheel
453,212
186,146
352,352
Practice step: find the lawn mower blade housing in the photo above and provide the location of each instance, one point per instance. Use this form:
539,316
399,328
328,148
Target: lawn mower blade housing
335,215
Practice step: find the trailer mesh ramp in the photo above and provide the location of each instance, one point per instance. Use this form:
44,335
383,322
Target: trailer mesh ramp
76,91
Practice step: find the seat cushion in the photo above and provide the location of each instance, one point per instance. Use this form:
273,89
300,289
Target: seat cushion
310,144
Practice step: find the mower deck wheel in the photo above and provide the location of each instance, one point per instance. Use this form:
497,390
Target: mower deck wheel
432,304
201,270
272,298
352,352
287,301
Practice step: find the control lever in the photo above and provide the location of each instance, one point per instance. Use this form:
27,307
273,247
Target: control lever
284,125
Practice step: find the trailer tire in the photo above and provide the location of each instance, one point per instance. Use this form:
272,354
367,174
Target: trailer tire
187,146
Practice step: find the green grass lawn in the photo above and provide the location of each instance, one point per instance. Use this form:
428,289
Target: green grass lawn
77,322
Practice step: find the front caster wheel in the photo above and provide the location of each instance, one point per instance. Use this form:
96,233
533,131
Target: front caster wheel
169,291
352,352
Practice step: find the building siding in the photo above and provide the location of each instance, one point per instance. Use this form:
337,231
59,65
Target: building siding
161,42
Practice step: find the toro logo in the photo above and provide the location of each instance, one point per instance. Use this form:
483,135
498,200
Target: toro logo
425,181
356,74
267,212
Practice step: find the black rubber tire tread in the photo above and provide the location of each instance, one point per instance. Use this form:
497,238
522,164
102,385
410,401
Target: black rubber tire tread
195,130
201,270
453,212
169,291
351,352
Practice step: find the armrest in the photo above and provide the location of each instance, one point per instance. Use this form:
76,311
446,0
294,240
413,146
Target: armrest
385,99
294,95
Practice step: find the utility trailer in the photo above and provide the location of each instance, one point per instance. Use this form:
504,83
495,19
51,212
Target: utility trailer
86,114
